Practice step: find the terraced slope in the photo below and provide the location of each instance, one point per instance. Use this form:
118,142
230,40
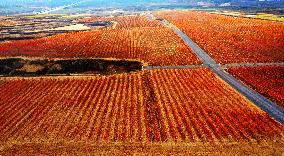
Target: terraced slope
267,80
231,39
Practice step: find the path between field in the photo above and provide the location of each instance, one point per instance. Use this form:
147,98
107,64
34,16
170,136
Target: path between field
224,66
172,67
265,104
253,64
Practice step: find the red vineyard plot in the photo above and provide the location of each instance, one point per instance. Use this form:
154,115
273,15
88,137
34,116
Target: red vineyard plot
155,46
231,39
106,108
267,80
125,22
196,105
150,106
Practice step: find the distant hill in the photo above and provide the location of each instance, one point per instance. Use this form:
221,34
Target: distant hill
36,2
118,3
247,3
10,7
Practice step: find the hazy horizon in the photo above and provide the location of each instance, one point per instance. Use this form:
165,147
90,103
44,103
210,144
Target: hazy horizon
10,7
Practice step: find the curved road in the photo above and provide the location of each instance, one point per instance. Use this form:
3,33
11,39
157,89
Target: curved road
266,105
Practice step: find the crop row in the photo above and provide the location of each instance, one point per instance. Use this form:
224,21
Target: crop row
196,105
161,105
78,109
126,21
231,39
156,46
267,80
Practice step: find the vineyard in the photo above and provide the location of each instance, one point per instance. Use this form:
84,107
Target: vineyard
197,105
137,87
267,80
155,46
126,22
231,39
150,106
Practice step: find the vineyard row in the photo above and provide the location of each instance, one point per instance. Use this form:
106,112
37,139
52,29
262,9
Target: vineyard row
231,39
160,105
155,46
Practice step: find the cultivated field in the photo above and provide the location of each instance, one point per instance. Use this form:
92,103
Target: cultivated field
230,39
37,26
267,80
137,87
154,46
125,21
190,105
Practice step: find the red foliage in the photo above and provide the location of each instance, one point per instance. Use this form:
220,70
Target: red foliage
150,106
126,21
196,105
105,108
268,80
156,46
232,39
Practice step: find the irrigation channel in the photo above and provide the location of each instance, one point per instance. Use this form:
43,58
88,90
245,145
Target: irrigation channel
263,103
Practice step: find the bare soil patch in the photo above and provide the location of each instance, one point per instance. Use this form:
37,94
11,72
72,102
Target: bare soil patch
41,67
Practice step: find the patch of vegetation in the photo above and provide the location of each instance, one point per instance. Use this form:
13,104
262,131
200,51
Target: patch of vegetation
27,67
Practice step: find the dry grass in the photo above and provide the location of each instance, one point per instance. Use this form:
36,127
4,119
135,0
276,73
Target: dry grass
270,147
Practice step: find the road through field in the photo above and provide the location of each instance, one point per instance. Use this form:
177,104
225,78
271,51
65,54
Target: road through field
266,105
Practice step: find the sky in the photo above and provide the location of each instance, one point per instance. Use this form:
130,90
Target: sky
60,2
112,2
92,3
8,7
35,2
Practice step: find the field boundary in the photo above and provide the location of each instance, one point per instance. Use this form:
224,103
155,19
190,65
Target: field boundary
193,66
253,64
173,67
122,148
262,102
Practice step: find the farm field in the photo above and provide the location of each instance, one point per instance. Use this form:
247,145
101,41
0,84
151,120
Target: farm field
136,85
38,26
198,101
230,39
154,46
267,80
270,15
43,25
147,107
130,21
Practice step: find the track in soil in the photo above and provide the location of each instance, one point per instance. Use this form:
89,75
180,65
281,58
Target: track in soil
224,66
253,64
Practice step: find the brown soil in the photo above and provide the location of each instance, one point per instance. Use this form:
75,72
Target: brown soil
270,147
41,67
